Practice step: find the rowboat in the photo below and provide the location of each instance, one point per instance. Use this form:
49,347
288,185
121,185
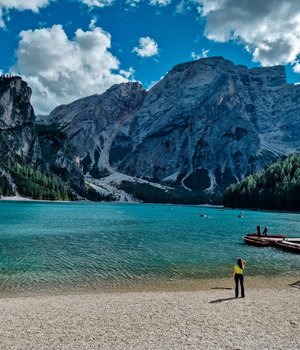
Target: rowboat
282,236
262,241
293,240
291,245
256,241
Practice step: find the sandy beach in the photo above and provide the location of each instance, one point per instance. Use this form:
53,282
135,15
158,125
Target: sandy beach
205,319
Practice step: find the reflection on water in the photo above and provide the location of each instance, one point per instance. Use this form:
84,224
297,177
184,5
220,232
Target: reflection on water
67,245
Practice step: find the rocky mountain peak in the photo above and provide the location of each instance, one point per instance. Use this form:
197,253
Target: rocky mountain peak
209,122
92,123
206,124
16,109
18,136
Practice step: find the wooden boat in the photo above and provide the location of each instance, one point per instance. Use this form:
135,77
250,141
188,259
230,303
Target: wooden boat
291,245
256,241
293,240
281,236
262,241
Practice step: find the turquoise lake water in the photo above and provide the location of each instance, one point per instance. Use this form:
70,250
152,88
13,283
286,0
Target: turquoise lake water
65,245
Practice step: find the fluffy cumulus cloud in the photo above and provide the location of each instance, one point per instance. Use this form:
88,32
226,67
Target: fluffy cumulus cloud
147,47
33,5
270,30
60,70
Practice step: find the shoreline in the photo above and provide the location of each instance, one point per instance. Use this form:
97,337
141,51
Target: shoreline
204,205
160,286
264,210
26,199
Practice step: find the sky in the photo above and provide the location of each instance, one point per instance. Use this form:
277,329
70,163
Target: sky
68,49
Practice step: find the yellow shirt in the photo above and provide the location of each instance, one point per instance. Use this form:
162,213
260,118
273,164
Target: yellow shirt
238,270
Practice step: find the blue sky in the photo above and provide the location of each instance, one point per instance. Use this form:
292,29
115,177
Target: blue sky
67,49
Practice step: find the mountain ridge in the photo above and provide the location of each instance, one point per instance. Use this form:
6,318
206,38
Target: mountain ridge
206,124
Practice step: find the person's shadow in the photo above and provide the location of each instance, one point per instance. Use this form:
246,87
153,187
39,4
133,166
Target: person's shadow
295,284
220,300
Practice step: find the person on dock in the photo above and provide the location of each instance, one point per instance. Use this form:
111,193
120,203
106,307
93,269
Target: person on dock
265,231
238,275
258,230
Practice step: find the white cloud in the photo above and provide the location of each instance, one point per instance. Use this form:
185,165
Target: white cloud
147,47
154,82
269,30
60,70
2,24
130,3
98,3
128,74
203,54
160,2
184,5
33,5
296,66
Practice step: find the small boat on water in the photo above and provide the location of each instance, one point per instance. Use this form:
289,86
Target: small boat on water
256,241
280,236
279,241
291,245
262,241
293,240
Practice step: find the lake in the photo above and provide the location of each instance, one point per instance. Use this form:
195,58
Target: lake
45,246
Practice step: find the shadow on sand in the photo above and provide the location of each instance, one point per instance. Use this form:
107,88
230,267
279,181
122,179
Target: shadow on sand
220,300
295,284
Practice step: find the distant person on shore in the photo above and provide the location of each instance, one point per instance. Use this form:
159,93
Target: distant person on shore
258,230
265,231
238,275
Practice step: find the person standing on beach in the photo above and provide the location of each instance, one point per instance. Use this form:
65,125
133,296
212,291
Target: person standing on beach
238,275
258,230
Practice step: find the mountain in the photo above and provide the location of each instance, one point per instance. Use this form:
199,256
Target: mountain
18,138
34,162
206,124
92,123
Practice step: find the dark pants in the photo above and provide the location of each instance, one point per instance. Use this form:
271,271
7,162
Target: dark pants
237,278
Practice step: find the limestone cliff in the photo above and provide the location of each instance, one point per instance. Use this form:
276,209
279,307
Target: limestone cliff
206,124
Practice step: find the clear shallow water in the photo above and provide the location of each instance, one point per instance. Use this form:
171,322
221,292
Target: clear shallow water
68,245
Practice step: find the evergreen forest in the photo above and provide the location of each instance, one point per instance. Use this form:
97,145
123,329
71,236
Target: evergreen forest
277,187
32,182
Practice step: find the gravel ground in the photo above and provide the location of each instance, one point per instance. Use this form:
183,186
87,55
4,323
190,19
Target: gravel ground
207,319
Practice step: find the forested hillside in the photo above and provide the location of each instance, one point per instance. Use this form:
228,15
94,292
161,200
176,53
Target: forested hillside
33,183
277,187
